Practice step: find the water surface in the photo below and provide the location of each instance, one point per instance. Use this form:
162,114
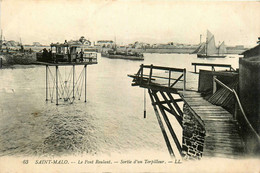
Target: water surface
110,122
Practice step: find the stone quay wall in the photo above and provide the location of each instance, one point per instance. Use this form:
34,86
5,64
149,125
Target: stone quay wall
193,135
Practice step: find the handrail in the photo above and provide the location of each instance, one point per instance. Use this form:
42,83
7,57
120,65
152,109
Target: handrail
164,68
140,74
212,66
222,84
240,106
160,77
243,113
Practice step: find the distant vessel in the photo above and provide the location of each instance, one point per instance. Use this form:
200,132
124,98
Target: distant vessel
208,49
115,54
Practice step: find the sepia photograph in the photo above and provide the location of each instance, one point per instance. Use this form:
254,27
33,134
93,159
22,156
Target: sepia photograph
129,86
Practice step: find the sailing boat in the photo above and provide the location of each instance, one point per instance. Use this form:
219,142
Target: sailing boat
209,49
222,49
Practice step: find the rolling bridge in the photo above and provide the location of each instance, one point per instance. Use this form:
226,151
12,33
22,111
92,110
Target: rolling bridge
167,90
66,55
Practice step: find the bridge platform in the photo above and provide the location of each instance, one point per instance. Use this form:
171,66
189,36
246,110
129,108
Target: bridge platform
222,134
65,63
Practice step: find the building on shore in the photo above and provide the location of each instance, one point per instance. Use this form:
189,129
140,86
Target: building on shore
104,43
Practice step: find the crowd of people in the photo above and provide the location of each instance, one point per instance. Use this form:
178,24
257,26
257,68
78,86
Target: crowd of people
48,56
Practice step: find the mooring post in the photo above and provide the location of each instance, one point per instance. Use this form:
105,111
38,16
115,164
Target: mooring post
57,89
73,76
46,82
85,83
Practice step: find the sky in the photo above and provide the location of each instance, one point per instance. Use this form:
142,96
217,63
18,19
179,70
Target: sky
153,21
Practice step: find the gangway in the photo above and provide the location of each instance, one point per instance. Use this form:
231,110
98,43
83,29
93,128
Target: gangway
213,131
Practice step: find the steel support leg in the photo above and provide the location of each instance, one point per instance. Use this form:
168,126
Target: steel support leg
85,83
57,87
46,82
73,76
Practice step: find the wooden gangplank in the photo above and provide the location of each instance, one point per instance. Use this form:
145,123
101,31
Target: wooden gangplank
164,81
222,134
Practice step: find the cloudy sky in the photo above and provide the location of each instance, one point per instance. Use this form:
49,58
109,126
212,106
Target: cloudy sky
152,21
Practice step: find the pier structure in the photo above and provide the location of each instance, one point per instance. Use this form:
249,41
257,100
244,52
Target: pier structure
163,84
69,87
208,129
66,55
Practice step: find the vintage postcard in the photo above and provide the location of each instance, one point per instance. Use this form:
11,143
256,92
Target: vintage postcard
129,86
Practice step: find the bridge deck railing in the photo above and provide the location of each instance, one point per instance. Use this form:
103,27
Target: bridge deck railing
212,66
167,77
238,103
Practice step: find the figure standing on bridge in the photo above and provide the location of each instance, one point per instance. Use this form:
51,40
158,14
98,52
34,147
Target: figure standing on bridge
81,55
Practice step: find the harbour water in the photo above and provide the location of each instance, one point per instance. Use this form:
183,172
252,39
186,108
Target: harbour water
111,122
